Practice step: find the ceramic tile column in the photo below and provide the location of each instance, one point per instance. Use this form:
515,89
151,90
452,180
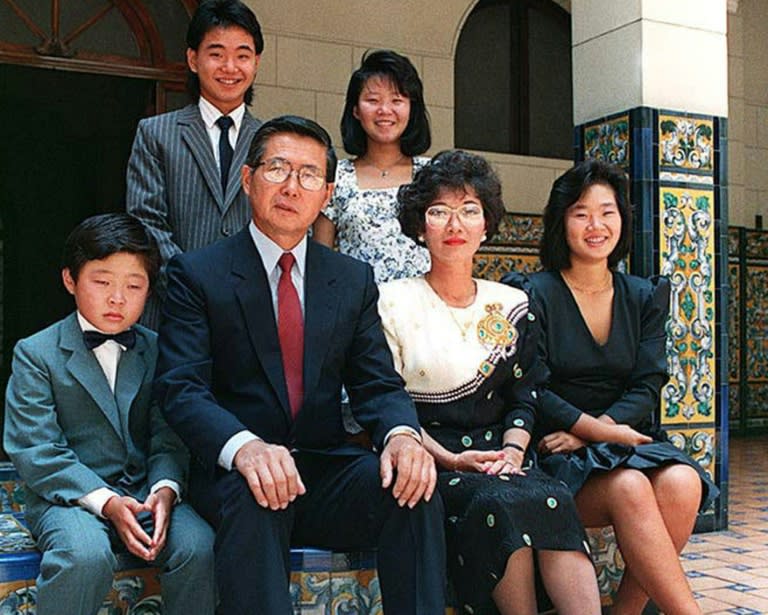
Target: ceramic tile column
650,94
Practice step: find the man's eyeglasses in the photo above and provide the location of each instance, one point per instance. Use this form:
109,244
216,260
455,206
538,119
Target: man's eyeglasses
278,170
469,215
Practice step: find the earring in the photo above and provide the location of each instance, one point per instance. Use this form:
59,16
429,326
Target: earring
484,237
421,238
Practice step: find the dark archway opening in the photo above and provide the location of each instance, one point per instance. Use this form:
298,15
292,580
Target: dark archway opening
67,140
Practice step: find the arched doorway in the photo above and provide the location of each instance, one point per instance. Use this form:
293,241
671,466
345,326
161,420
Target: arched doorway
512,79
75,78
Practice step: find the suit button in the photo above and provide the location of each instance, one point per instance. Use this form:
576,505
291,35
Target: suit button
226,232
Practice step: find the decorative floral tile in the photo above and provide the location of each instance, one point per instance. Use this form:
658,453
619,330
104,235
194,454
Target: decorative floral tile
685,144
686,235
608,140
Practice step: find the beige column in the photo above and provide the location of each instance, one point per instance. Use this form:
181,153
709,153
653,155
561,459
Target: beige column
651,94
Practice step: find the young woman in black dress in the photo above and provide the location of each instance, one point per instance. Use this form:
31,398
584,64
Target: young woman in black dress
604,344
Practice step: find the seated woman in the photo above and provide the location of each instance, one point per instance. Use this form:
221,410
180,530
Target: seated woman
604,344
466,349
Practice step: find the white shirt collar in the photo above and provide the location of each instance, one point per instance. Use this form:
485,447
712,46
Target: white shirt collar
210,113
85,324
271,252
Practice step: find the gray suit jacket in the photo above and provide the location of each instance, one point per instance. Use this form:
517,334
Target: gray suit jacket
68,434
174,187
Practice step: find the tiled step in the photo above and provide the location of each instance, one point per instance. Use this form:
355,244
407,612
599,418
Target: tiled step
321,581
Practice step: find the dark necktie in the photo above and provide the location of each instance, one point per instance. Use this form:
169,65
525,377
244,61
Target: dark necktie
225,149
94,339
290,330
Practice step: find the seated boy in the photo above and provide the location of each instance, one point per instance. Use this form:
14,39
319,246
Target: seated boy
102,470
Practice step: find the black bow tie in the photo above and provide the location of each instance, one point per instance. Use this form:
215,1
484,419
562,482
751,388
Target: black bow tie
94,339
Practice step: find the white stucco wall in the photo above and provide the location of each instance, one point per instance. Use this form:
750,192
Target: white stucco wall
311,49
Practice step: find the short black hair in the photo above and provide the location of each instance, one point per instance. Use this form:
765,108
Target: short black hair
451,170
567,190
221,14
292,124
397,68
99,237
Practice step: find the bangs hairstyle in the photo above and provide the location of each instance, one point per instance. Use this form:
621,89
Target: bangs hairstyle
292,124
99,237
453,170
221,14
566,191
399,70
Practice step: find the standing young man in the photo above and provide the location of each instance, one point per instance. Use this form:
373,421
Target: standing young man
183,179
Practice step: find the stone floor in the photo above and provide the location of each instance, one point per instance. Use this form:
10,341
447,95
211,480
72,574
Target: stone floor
729,570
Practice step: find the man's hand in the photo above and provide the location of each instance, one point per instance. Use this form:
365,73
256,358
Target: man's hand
160,504
121,511
416,473
560,442
270,472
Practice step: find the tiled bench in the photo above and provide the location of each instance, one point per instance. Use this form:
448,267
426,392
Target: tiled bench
322,582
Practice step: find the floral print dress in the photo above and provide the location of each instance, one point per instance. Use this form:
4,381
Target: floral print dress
368,229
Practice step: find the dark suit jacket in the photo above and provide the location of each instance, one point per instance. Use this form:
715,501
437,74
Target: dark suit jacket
220,369
174,186
68,434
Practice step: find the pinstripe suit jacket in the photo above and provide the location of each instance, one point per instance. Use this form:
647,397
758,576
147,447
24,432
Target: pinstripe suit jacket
174,187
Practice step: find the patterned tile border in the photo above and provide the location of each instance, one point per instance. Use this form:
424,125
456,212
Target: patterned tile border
686,144
687,247
698,443
608,140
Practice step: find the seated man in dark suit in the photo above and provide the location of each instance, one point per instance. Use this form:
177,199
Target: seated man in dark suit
258,334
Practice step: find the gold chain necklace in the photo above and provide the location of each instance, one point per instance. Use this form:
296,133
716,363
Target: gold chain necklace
588,291
463,329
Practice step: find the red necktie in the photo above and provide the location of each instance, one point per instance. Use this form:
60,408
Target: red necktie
290,330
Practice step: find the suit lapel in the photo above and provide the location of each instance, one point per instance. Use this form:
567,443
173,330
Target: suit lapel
131,372
194,134
320,305
85,368
253,293
244,137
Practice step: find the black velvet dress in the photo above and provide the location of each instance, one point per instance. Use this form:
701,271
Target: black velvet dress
622,378
473,374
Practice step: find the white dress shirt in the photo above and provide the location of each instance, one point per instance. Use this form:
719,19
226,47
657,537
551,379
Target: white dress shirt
270,254
210,114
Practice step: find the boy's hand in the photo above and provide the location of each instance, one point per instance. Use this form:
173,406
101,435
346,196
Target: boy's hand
121,511
160,504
